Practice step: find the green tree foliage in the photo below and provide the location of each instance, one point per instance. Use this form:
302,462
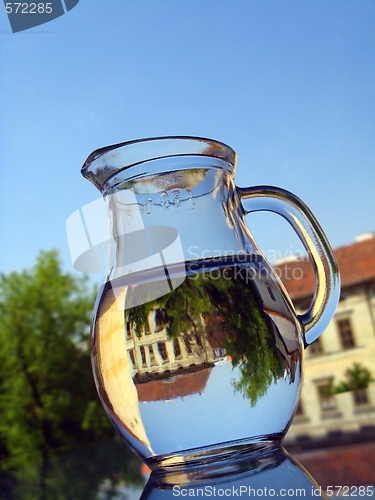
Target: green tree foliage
357,377
48,402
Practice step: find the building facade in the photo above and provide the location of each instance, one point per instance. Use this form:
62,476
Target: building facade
347,343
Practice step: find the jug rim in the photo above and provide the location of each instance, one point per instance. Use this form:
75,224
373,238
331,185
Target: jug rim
105,162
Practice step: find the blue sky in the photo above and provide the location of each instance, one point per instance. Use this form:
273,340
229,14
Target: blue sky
288,84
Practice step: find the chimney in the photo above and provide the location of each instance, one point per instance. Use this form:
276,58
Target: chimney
365,236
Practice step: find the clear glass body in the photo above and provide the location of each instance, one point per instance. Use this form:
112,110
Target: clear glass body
197,350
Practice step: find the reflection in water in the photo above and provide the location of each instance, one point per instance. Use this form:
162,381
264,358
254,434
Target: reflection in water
215,360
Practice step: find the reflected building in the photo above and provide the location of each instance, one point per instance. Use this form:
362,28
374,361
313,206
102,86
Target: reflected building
164,368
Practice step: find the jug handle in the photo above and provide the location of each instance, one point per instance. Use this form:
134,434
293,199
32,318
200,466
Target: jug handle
300,217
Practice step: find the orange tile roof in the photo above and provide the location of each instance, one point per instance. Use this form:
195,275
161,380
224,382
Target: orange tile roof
356,263
344,466
179,385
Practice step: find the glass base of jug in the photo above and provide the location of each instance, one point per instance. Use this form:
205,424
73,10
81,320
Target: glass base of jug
217,455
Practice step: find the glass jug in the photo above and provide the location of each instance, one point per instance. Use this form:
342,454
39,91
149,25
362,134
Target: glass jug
197,349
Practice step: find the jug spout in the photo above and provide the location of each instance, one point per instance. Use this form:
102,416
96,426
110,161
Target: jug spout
105,163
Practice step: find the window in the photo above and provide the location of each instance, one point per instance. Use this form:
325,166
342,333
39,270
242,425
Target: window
152,355
160,320
360,397
147,327
346,333
219,352
299,410
132,357
301,417
303,438
188,345
176,348
316,347
163,351
327,400
335,434
143,356
128,330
